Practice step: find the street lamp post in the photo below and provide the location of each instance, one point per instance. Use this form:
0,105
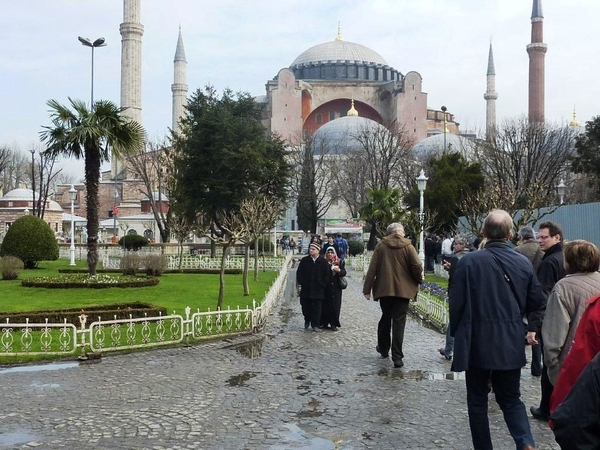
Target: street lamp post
421,185
100,42
444,109
561,191
72,196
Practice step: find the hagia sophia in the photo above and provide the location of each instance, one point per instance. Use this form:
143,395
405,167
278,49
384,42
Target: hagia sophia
317,89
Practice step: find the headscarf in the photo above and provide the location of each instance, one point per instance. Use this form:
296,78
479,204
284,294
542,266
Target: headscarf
331,255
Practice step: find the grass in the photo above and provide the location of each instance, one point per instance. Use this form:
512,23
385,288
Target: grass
443,282
174,292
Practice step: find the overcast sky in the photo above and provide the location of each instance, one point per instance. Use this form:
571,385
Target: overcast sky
241,44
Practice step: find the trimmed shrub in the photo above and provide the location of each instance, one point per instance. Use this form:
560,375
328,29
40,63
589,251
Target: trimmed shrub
264,246
11,267
155,265
130,264
31,240
133,241
355,247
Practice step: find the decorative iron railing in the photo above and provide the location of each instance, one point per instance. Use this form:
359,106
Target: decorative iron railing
17,339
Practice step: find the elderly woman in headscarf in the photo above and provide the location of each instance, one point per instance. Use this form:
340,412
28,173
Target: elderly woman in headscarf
330,314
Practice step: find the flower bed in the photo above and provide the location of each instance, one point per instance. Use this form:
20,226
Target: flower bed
100,281
435,290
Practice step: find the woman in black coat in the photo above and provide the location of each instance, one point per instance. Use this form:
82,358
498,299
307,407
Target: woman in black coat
330,315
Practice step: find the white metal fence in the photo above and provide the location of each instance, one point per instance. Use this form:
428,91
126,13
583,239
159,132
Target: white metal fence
146,332
200,262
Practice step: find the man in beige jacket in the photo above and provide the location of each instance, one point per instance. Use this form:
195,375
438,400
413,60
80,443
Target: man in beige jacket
394,275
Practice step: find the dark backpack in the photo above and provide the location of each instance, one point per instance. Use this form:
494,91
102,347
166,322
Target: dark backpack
342,245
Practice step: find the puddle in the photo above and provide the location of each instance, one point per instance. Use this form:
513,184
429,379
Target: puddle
420,375
297,438
39,368
250,349
16,438
240,380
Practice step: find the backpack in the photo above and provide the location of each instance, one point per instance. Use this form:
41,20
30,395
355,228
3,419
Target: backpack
342,246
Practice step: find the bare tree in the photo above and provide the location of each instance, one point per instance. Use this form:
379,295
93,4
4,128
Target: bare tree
523,163
154,166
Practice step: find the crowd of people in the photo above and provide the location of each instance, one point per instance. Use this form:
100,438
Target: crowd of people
544,292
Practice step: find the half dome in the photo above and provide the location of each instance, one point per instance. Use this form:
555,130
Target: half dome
434,146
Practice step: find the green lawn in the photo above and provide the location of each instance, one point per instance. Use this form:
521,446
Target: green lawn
443,282
174,292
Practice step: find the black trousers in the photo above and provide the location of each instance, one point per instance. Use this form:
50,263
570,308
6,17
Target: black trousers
311,310
545,384
393,318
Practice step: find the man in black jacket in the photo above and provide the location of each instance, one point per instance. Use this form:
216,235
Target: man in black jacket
312,275
551,269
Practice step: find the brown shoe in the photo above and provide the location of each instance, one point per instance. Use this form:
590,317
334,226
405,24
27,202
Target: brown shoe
528,447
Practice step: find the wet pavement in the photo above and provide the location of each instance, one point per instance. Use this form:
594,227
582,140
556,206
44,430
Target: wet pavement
285,388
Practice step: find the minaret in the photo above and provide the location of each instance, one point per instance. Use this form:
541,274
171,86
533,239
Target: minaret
179,86
490,97
537,54
131,67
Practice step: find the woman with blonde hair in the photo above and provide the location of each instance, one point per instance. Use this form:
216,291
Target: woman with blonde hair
568,301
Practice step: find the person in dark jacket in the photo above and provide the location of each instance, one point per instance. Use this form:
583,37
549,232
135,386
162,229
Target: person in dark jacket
551,269
312,276
576,421
429,254
332,305
492,290
528,246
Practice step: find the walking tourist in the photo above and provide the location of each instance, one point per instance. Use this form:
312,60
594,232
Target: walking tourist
567,302
329,244
312,276
394,275
332,305
492,290
446,249
461,248
551,269
528,247
342,246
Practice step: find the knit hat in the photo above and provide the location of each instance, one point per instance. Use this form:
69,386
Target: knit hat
315,245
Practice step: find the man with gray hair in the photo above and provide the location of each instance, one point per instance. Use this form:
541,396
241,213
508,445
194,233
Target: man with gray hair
394,275
492,290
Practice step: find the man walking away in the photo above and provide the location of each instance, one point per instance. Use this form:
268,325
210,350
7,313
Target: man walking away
492,290
528,247
342,246
551,269
394,275
312,275
446,249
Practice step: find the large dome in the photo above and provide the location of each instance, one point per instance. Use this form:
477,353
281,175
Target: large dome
341,136
434,146
339,50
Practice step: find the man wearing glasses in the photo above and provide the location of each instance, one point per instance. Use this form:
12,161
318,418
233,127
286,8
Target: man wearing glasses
551,269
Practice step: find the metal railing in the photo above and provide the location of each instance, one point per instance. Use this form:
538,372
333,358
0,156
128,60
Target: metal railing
17,339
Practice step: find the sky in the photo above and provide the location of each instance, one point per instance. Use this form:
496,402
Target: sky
241,44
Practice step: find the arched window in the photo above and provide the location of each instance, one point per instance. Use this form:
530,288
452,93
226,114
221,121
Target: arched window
149,234
132,231
319,118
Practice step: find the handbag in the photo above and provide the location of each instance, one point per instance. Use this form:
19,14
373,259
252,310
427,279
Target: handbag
342,282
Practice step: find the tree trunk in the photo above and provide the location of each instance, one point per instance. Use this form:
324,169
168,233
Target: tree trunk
92,178
373,237
256,259
246,270
222,277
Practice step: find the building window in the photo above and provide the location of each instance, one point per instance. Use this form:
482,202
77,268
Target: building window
331,115
132,231
319,118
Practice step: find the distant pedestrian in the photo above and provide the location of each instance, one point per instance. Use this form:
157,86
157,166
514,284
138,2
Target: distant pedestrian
332,305
312,276
447,249
342,246
394,275
492,290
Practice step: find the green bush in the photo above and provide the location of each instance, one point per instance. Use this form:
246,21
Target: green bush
10,267
130,264
31,240
265,245
133,241
155,265
355,247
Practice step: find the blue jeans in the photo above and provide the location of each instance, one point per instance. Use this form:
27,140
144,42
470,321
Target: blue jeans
507,389
449,347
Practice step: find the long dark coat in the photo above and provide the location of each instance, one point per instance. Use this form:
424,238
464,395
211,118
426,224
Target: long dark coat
332,305
486,319
313,276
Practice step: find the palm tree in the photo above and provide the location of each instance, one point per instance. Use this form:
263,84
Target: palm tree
383,207
90,134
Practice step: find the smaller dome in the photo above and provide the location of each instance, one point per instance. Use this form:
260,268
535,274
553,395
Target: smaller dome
434,146
26,195
340,136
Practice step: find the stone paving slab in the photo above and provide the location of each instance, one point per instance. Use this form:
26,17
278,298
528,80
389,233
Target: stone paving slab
285,388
